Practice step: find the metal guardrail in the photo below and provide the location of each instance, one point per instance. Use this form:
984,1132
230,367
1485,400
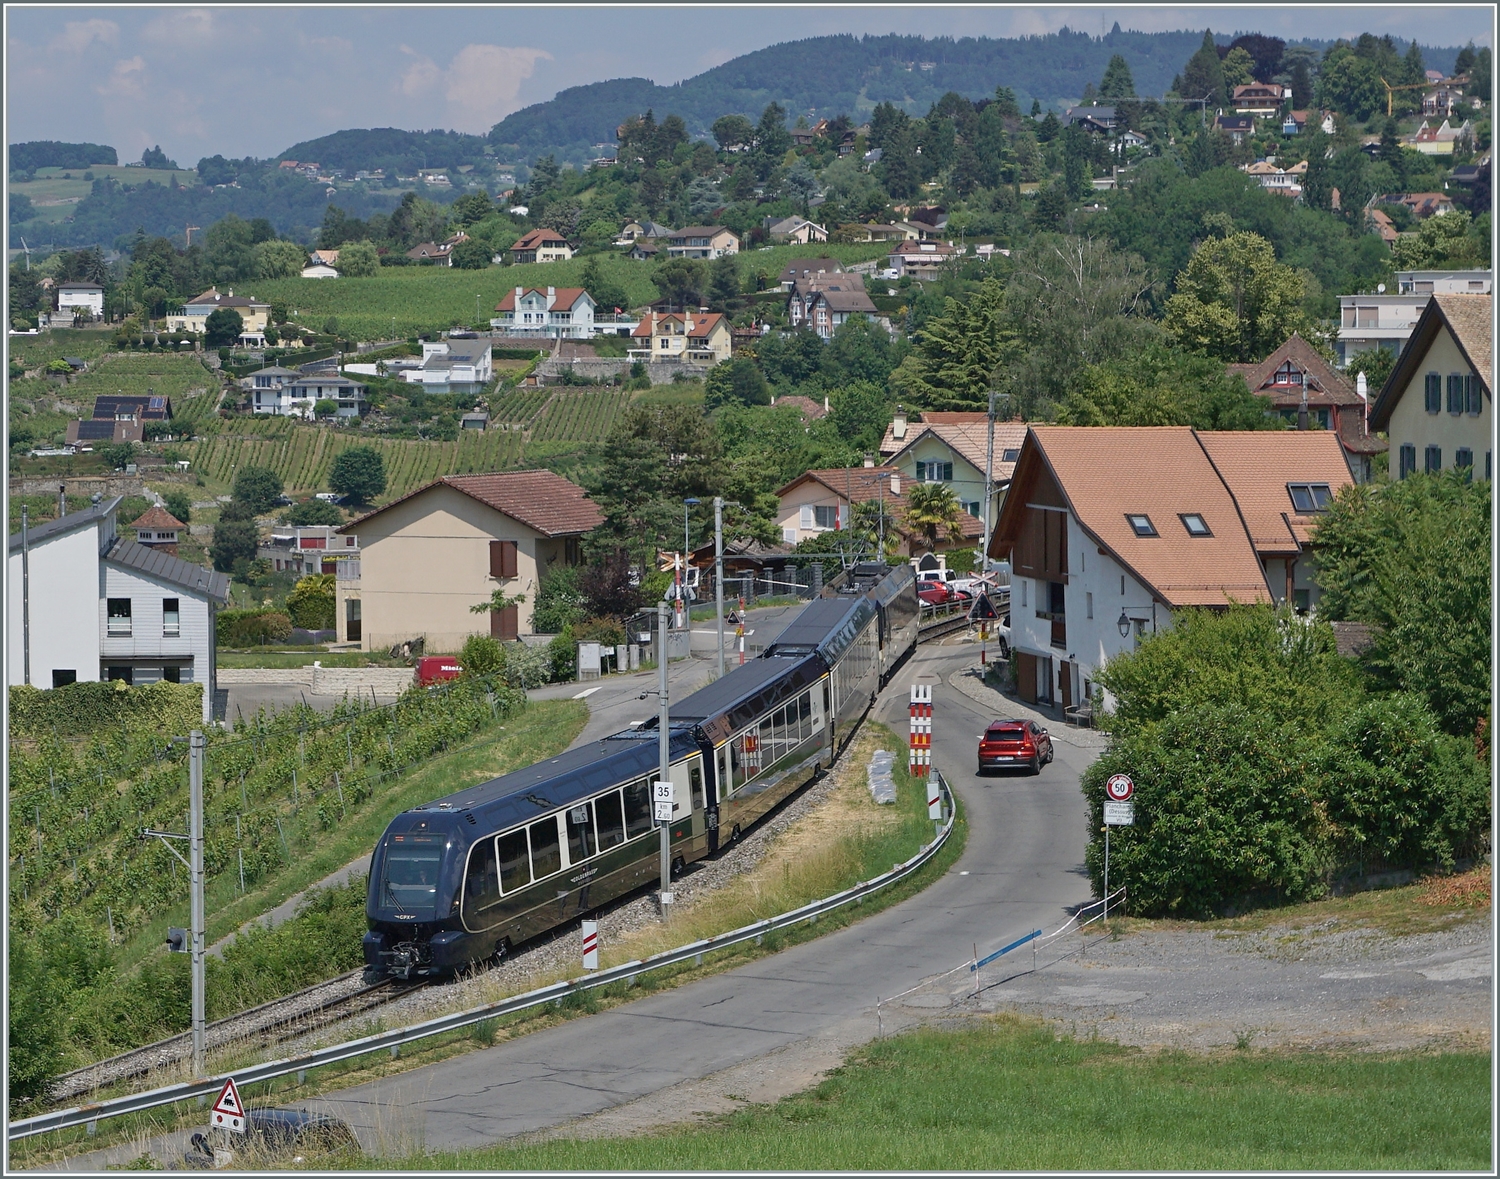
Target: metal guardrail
392,1041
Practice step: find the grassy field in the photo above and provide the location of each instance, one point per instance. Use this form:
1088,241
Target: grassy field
1010,1095
426,298
87,343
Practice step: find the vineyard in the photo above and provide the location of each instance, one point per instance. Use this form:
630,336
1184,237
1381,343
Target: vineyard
580,417
301,455
520,406
269,788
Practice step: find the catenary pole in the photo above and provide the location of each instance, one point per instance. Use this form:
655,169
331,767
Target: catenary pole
719,577
195,867
664,753
25,595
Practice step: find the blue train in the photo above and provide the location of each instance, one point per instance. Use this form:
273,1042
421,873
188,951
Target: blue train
465,878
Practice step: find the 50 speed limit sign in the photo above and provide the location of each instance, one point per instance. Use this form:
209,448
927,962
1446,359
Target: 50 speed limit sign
1119,788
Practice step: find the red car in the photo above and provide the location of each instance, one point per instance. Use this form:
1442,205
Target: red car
1010,743
934,593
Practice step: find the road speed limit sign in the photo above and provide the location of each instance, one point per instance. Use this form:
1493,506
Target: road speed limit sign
1119,788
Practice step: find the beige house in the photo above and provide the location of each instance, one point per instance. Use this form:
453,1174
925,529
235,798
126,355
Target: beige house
195,312
1436,405
430,556
692,337
821,501
702,241
953,453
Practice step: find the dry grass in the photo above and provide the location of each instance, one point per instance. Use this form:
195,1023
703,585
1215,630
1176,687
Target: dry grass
1467,890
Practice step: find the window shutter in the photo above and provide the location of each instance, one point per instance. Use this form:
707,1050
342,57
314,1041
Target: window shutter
502,558
1455,393
1434,393
843,517
1473,394
509,623
807,515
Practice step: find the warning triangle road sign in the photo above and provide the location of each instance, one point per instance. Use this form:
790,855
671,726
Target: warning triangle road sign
983,608
229,1111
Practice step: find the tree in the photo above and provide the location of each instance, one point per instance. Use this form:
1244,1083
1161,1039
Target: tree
1235,301
1117,82
154,157
957,355
733,131
1159,386
325,407
1302,90
279,259
361,260
222,328
359,473
179,504
313,511
36,1039
772,140
1265,53
470,255
1350,85
607,294
680,281
859,352
1203,76
311,602
933,509
735,381
117,455
481,656
559,601
724,283
233,541
472,207
859,414
1238,67
1449,240
258,488
1411,558
900,167
229,250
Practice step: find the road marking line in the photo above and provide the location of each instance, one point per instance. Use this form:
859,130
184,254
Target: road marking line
588,692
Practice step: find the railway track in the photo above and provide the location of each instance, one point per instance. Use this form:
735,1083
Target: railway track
304,1011
269,1023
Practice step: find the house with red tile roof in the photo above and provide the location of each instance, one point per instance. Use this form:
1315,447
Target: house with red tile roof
1102,557
821,501
541,245
691,337
428,557
552,312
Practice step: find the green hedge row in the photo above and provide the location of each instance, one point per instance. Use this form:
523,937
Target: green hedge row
248,628
80,709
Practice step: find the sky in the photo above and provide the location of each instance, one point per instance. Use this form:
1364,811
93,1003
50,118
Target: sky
253,80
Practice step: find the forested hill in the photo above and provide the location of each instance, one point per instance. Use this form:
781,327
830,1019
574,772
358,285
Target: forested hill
846,74
398,152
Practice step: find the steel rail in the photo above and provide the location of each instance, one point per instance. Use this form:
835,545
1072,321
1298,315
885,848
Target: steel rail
556,993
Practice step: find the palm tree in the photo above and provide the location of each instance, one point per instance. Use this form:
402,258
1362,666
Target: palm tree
932,508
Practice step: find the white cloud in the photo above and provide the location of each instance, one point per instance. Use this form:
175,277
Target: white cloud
484,80
421,76
127,79
78,35
184,27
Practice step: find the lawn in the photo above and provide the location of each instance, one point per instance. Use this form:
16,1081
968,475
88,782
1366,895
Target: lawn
1009,1094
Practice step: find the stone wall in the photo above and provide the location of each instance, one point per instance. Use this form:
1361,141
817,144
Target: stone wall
660,372
82,485
324,681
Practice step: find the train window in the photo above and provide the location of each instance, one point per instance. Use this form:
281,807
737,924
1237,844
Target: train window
482,881
804,713
580,832
546,856
610,817
411,873
515,868
637,809
768,742
695,784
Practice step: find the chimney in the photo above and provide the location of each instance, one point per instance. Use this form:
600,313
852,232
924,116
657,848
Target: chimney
551,292
826,407
898,427
1362,388
895,482
1302,409
869,459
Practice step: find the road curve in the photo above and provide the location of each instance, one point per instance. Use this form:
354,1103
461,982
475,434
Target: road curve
1022,869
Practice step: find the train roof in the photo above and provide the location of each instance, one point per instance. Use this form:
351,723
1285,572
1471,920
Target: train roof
827,626
743,695
570,776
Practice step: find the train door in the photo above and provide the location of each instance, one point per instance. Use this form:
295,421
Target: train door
711,799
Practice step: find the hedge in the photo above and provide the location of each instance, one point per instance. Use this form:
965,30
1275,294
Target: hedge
84,708
250,628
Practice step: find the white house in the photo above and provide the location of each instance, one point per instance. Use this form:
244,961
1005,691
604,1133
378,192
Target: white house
458,364
319,270
1386,320
350,397
89,605
554,313
1098,561
269,391
81,298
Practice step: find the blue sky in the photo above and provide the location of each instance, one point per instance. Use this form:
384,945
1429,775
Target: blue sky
250,80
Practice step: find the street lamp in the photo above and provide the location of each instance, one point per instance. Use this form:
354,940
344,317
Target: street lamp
1124,625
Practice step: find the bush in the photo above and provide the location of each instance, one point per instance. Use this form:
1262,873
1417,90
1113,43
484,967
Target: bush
481,656
1264,770
559,601
36,1024
311,604
180,504
257,487
562,657
82,708
250,628
234,541
314,511
359,473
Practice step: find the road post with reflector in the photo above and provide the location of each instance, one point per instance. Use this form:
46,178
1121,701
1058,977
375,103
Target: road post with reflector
919,755
1119,811
591,945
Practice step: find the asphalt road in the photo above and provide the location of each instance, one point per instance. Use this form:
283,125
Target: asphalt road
1022,869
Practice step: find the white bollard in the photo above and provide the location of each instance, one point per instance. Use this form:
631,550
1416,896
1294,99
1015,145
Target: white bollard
591,945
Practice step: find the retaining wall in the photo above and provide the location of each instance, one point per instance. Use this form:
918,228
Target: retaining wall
323,681
659,372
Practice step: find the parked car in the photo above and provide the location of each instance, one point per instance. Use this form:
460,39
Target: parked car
934,593
277,1131
1007,744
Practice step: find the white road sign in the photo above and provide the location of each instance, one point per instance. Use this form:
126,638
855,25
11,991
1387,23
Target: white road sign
1119,814
663,812
663,798
229,1110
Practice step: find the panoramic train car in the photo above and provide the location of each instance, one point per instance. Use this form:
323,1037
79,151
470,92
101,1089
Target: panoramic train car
466,877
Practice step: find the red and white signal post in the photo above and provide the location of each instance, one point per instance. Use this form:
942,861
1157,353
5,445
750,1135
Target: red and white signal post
919,759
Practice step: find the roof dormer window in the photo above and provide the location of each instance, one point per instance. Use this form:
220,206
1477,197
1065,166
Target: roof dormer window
1310,497
1195,524
1141,524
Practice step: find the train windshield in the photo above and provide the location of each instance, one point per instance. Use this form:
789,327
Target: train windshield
409,880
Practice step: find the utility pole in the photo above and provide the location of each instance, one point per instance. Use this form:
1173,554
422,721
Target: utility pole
989,485
195,871
719,577
664,755
25,598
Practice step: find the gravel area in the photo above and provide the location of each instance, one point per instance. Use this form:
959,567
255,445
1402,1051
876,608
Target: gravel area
1328,986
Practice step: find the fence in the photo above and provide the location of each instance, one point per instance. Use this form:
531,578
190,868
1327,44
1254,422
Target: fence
392,1041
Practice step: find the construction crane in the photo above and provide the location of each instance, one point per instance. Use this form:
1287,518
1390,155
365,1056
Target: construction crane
190,229
27,251
1390,93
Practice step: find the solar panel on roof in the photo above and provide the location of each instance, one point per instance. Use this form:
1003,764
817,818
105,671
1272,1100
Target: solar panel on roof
158,402
94,431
